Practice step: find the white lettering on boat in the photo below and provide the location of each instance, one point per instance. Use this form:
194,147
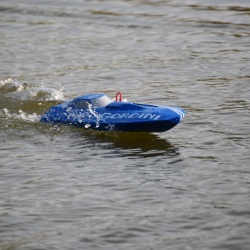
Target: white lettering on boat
134,115
148,116
115,116
124,115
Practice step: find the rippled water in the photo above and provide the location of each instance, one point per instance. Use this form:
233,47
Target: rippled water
68,188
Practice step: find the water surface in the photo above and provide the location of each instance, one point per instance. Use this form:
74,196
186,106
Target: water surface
67,188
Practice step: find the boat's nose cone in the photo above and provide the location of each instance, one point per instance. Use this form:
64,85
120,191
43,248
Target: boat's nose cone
179,111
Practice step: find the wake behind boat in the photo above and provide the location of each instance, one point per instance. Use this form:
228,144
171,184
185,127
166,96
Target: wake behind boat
99,112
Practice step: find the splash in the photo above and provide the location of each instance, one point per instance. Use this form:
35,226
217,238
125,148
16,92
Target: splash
12,88
10,85
36,94
22,101
20,116
94,114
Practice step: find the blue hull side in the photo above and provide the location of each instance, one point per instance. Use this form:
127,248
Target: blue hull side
116,116
145,126
148,126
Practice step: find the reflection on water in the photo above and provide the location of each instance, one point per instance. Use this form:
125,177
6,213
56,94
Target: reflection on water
135,144
112,144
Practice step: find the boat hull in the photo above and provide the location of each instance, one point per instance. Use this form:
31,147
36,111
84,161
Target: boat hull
115,116
148,126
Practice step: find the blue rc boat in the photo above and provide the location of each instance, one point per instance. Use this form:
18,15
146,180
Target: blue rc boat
99,112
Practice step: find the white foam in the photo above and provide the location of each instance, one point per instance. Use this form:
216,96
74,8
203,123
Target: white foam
10,85
13,89
95,115
21,116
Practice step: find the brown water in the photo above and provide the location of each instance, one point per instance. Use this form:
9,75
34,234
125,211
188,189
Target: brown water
68,188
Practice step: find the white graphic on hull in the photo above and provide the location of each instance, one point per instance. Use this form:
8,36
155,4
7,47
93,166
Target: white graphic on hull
130,116
180,113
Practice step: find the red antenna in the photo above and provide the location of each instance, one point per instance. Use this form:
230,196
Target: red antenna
118,94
